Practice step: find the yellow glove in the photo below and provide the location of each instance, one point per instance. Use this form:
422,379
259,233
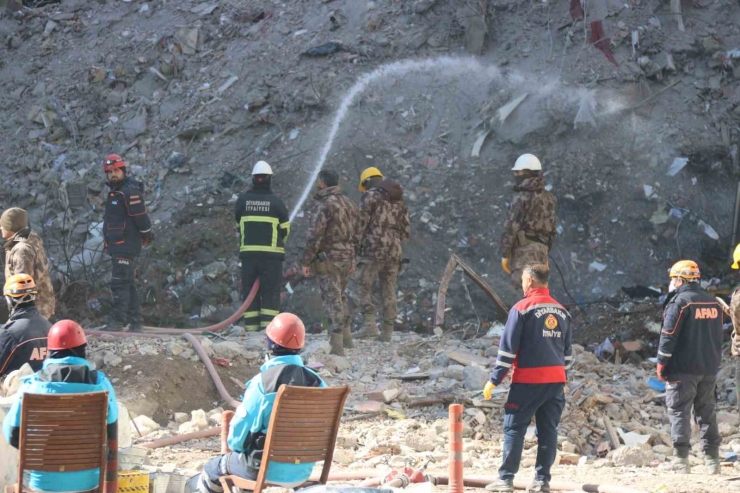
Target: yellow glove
487,390
505,265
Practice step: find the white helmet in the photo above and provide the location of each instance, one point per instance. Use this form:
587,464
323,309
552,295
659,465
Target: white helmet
527,161
261,168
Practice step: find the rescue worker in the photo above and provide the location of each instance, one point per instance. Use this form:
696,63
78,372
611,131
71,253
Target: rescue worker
25,254
66,371
529,230
264,227
126,228
330,254
536,346
384,224
734,314
689,355
23,337
286,336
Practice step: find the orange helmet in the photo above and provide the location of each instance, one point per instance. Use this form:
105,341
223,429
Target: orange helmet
287,330
20,286
685,269
113,161
65,334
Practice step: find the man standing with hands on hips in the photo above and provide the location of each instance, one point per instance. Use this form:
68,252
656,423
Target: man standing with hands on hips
689,354
536,346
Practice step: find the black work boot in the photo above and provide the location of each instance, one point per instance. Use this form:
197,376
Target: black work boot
501,486
539,485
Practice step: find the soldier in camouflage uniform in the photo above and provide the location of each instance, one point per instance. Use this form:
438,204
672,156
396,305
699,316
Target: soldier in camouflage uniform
330,254
384,224
25,254
530,226
735,338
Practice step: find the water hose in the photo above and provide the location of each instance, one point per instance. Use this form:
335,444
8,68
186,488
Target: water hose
211,370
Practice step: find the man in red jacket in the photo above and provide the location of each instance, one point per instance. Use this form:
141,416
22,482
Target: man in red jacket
536,347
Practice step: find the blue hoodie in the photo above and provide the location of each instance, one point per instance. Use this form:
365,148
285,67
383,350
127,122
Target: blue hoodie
33,384
252,417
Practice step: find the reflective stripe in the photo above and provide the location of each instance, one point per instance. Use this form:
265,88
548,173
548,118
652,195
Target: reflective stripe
501,363
265,323
504,353
253,314
272,248
205,485
252,328
664,354
568,358
265,311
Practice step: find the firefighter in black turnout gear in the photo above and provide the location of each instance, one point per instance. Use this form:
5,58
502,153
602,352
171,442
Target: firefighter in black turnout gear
126,228
264,226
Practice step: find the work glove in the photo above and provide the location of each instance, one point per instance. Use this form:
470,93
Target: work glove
505,265
487,390
147,238
661,372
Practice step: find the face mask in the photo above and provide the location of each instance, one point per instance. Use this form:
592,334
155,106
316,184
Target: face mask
672,286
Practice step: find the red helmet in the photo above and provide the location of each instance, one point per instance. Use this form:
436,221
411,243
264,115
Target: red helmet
114,161
65,334
287,330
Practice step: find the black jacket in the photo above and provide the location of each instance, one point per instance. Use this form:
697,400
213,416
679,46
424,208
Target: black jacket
263,222
126,222
691,339
23,340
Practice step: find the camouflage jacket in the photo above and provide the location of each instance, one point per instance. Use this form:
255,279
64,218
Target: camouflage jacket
384,222
24,254
533,214
332,228
735,315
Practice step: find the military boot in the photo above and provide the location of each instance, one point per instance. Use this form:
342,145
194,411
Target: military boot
369,327
336,344
679,465
387,334
347,336
712,466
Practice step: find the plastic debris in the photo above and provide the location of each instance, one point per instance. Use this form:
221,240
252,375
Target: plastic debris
503,113
678,164
656,384
605,350
708,230
479,143
597,266
633,439
586,109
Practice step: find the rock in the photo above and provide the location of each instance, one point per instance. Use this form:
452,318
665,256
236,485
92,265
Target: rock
343,456
181,418
454,372
726,429
729,418
229,350
639,456
145,424
467,358
474,377
663,450
569,459
111,360
347,442
336,364
369,407
50,27
420,443
215,269
175,348
421,6
134,127
570,448
257,98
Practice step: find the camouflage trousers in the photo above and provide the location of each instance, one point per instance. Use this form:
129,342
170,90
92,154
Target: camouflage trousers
532,253
333,277
387,272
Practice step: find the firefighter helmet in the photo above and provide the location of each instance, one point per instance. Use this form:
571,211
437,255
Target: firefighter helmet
65,334
736,257
367,174
685,269
261,168
21,288
287,330
113,161
527,162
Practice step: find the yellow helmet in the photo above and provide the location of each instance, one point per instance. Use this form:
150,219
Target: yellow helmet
736,257
20,287
685,269
368,173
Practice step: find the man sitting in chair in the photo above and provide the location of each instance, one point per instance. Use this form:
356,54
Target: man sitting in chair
66,371
286,336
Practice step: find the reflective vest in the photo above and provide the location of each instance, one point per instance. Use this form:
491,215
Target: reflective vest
264,224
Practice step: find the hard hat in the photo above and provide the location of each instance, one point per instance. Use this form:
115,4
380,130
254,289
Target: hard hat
65,334
527,161
368,173
287,330
261,168
736,257
685,269
113,161
20,286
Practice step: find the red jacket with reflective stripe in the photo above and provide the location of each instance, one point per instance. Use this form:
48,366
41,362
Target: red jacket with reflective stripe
536,342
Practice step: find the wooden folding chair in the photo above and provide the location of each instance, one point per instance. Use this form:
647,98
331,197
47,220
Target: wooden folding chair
303,428
62,433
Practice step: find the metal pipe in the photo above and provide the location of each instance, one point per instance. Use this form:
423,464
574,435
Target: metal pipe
164,442
456,449
521,484
735,220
